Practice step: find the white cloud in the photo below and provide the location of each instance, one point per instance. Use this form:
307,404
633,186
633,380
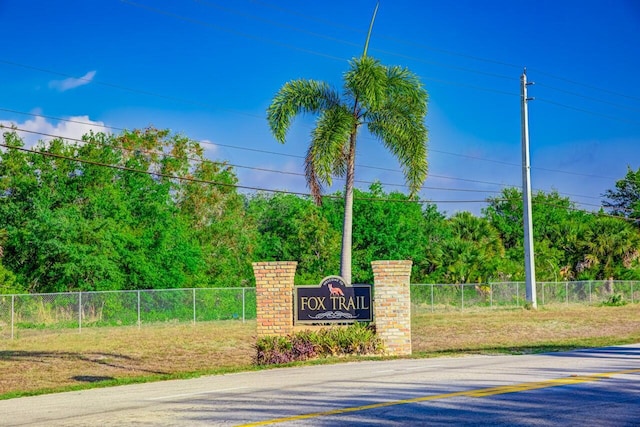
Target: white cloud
39,128
210,148
72,82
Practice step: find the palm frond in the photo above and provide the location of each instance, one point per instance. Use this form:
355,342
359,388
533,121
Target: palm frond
326,156
406,138
406,91
399,124
366,83
295,97
312,177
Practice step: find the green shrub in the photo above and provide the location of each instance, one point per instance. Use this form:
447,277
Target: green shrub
615,300
359,339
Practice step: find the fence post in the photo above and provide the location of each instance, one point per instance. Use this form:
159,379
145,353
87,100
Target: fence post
432,285
79,312
566,293
462,296
589,292
543,293
631,292
517,294
138,308
243,303
194,306
13,299
490,294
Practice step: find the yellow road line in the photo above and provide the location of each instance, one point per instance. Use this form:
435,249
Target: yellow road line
482,392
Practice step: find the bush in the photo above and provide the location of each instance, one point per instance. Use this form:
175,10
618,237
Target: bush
359,339
615,300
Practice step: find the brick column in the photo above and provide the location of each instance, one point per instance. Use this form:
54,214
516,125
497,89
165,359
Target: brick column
274,297
392,305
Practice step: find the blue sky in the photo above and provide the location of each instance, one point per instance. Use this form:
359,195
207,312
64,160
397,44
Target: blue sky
208,69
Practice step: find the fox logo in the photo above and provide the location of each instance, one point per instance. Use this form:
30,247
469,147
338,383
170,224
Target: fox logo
335,291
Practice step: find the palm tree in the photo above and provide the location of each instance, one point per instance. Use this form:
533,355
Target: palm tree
390,101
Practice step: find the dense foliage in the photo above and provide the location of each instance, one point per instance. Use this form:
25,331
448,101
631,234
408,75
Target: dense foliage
625,199
146,210
134,213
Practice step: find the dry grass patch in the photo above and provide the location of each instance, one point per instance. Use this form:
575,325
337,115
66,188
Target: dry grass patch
545,329
37,361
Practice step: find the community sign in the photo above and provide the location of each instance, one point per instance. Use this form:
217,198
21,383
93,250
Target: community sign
333,301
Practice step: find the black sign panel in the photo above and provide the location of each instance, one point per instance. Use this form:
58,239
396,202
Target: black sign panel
333,302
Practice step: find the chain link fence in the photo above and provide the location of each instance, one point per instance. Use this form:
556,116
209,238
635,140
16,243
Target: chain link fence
448,297
136,308
123,308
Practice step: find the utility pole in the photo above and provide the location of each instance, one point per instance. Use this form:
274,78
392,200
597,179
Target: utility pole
529,260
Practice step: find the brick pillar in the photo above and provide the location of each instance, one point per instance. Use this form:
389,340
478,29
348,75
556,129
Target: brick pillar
274,297
392,305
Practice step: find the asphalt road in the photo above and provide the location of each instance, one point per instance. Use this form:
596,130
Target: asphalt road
597,387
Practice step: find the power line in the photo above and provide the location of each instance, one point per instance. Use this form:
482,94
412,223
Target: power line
591,98
448,52
8,110
593,113
575,209
288,155
395,40
229,30
128,169
274,23
302,157
573,173
127,89
258,189
203,181
289,46
588,86
225,163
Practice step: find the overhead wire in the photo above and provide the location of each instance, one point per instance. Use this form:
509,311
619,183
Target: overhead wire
225,163
228,30
484,159
286,45
588,86
583,110
252,188
275,23
127,89
393,39
348,43
302,157
457,54
191,179
283,154
590,98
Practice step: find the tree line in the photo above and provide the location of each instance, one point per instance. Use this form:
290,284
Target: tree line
144,209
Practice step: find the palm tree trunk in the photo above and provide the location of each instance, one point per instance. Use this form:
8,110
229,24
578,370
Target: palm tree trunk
347,225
